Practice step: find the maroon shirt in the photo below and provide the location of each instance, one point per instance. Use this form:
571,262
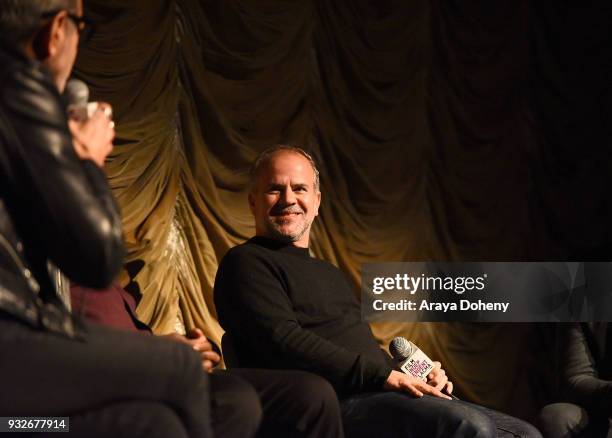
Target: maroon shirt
112,307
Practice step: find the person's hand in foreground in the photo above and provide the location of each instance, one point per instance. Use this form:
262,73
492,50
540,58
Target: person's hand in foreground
93,138
196,340
439,380
398,381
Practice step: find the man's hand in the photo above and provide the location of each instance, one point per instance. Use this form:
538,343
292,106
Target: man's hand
196,339
403,382
438,379
93,138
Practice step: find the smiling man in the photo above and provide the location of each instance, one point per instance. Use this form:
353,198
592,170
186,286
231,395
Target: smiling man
285,197
284,309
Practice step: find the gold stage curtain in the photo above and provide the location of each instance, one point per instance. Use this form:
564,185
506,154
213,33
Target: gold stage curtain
444,130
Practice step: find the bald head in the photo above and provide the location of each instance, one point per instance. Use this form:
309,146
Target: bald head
267,154
285,196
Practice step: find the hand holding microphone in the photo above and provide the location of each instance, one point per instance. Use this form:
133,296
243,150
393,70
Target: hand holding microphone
90,123
413,385
416,364
438,379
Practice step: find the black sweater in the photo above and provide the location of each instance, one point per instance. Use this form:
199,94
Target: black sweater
286,310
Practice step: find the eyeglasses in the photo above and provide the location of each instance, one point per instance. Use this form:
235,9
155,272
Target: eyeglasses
84,26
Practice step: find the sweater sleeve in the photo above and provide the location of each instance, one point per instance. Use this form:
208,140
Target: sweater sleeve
581,381
254,307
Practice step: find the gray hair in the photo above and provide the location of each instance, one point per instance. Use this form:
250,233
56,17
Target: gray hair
21,19
265,156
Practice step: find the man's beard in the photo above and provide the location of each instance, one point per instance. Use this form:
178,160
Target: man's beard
275,232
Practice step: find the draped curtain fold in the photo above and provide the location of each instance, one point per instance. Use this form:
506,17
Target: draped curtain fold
444,130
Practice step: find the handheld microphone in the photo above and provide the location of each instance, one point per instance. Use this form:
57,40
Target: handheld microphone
77,96
410,359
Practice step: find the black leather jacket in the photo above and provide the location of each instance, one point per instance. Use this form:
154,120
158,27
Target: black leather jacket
586,366
53,206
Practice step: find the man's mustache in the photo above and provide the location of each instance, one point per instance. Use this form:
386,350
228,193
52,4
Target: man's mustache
285,210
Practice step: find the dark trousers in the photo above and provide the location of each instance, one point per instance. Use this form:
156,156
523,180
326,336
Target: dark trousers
392,414
114,383
288,403
566,420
